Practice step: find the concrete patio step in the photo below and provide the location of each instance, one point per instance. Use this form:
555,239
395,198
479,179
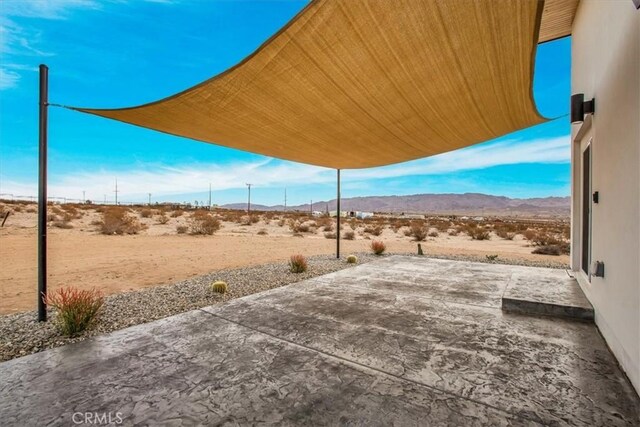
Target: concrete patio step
554,294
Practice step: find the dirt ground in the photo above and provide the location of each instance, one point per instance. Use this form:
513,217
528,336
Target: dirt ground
84,258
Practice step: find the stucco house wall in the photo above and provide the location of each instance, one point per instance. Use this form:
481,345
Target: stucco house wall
606,66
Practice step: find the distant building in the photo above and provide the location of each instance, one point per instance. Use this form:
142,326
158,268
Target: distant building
360,215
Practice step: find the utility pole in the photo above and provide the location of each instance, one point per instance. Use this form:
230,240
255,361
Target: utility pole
116,191
249,200
149,198
209,196
311,207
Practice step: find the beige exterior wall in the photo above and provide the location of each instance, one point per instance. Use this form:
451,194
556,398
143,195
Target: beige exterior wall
606,66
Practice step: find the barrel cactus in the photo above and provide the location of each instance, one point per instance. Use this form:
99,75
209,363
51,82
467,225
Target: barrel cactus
219,286
352,259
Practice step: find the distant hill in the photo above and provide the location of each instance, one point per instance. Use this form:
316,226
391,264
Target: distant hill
458,204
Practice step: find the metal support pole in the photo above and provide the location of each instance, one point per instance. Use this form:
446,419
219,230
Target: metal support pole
42,193
338,217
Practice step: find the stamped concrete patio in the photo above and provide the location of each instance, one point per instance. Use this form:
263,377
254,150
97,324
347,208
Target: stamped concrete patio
404,340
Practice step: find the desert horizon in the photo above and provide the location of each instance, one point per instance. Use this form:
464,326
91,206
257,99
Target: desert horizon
158,244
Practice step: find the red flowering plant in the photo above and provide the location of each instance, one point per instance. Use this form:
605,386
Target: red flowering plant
76,309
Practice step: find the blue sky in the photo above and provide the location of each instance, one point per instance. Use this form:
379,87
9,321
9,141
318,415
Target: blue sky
113,53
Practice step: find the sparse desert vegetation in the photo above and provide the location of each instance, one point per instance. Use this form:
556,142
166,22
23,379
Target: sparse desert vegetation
117,220
174,242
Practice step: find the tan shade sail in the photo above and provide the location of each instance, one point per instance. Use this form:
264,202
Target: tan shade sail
356,83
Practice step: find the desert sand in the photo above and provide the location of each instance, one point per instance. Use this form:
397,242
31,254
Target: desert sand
84,258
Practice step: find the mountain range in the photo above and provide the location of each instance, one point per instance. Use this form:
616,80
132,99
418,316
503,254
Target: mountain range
449,204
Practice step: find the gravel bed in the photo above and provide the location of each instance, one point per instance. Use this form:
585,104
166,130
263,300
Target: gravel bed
21,334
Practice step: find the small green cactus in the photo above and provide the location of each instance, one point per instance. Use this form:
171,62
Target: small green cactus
352,259
219,286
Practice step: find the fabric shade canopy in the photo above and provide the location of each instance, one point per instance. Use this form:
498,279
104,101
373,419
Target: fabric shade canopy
363,83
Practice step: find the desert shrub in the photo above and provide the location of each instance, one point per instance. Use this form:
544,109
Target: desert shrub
71,211
349,235
297,227
249,219
378,247
330,235
491,257
433,234
204,224
352,259
146,213
298,264
95,222
529,234
303,228
442,225
62,224
418,231
29,210
177,213
478,233
374,230
181,229
548,250
116,220
504,234
545,239
163,219
76,309
325,222
454,232
353,223
262,232
281,222
219,286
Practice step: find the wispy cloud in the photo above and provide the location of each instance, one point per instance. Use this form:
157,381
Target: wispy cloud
19,44
46,9
167,181
8,78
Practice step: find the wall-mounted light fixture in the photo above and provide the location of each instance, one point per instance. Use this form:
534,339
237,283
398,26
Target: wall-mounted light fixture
597,269
580,107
